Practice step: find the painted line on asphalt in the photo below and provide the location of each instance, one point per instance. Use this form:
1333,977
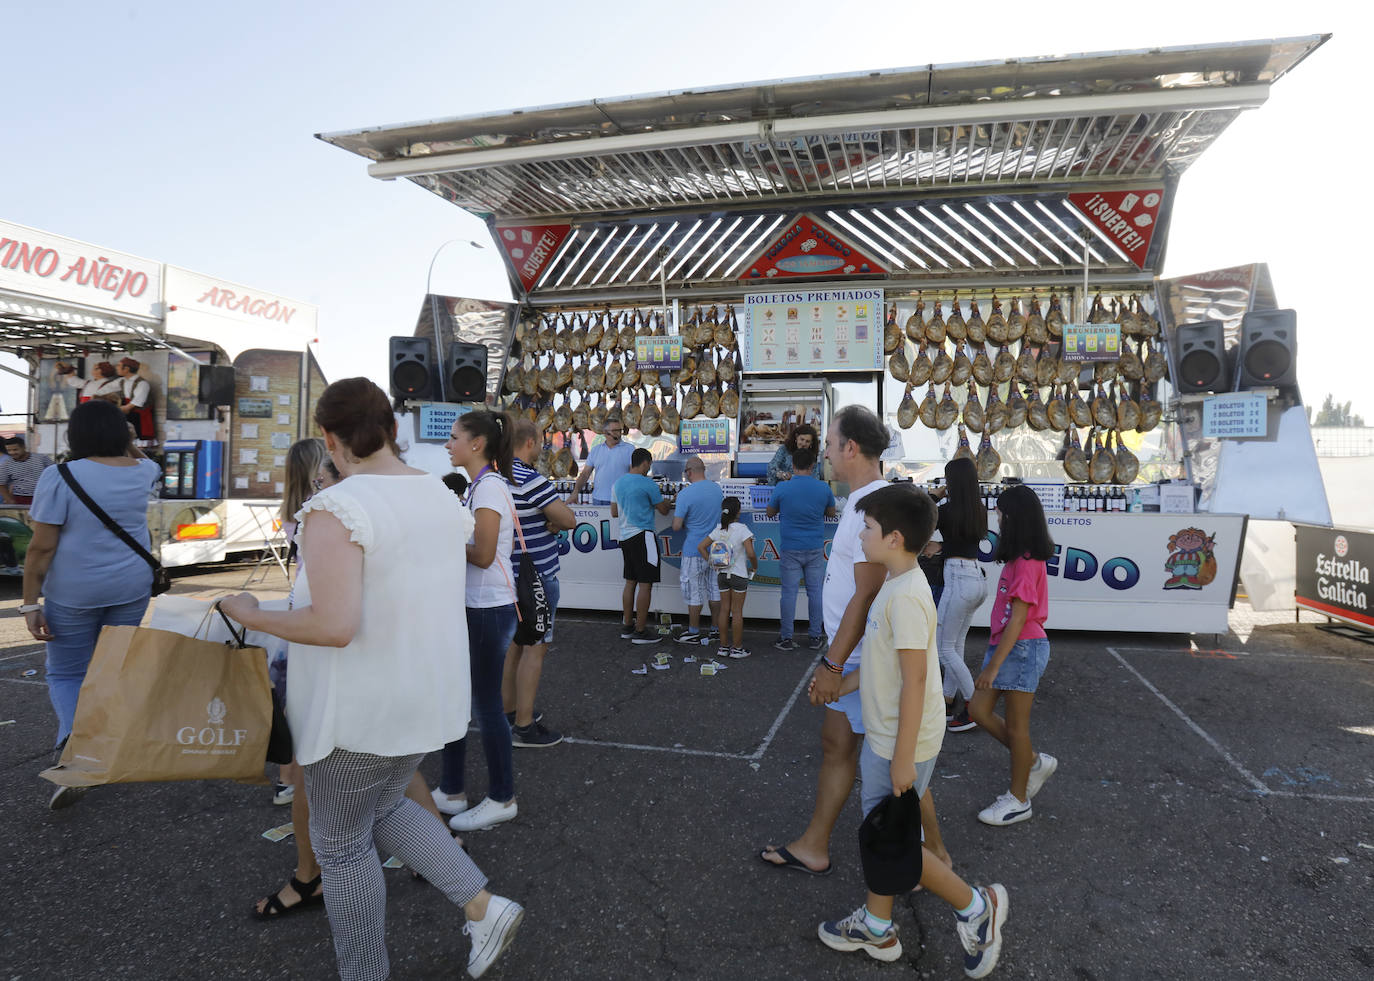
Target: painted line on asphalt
777,723
1256,784
753,757
1250,778
28,653
677,750
25,681
1218,654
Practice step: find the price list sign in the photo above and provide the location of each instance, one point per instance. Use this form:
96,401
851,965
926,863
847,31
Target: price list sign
1235,416
704,436
658,353
1091,342
437,419
813,331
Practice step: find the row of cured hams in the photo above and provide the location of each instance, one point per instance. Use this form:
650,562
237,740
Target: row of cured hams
576,368
1033,387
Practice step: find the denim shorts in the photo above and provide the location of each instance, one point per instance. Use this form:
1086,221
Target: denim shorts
1023,667
876,776
851,706
735,584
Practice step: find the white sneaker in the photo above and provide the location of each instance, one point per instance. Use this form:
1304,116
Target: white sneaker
492,934
447,804
1042,770
487,814
1005,810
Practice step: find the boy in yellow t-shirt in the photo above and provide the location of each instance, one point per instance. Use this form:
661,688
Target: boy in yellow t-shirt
904,722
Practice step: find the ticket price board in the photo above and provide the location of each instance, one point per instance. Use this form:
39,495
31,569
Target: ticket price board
437,419
704,436
658,353
1091,342
1235,416
1333,573
814,330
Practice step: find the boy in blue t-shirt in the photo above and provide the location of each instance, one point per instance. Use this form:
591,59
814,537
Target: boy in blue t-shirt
802,503
635,499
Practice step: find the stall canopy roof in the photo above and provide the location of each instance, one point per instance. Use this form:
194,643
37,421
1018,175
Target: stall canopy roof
1104,117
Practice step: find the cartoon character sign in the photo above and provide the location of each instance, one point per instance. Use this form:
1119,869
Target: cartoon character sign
1192,563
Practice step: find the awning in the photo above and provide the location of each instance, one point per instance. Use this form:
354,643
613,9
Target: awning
864,144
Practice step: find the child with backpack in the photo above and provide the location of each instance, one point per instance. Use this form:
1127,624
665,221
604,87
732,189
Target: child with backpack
904,727
1018,651
729,550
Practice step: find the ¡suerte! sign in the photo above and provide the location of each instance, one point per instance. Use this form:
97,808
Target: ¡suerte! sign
1333,573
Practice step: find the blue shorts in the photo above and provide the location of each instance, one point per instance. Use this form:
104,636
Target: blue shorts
876,776
850,705
1023,667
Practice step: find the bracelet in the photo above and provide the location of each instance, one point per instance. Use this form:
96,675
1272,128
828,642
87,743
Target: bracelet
32,608
831,665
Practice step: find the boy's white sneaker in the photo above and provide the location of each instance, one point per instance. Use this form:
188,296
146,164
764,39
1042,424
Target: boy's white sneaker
1005,810
492,934
1041,770
485,815
981,937
852,933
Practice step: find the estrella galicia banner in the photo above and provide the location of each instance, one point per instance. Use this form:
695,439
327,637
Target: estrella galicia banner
1333,573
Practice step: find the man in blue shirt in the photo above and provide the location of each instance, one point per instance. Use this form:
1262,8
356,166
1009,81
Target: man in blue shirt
608,461
697,510
637,497
802,503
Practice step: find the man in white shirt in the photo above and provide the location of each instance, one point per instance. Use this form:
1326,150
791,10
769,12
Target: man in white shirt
609,461
853,444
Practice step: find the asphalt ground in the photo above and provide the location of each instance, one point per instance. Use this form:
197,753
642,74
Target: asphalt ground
1212,817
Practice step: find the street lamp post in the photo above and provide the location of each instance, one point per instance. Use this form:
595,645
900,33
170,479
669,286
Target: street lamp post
434,312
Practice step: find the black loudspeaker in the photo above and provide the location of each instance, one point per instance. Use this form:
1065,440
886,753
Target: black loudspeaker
412,369
465,372
1201,351
1268,349
216,384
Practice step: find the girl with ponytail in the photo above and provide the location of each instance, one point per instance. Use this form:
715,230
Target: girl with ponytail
729,550
482,444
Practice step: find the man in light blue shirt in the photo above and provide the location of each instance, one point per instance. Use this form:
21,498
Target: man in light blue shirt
698,511
637,497
802,503
609,461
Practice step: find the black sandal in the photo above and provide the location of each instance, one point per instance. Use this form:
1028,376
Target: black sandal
306,890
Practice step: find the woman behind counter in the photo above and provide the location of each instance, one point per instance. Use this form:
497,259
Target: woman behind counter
88,577
801,437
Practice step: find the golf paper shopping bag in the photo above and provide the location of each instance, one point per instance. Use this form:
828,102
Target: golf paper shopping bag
158,705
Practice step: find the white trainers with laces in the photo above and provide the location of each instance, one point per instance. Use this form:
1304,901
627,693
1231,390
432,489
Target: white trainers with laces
485,815
1041,770
447,804
492,934
981,937
1005,810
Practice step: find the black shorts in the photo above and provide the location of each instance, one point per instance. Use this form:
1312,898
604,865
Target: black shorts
634,554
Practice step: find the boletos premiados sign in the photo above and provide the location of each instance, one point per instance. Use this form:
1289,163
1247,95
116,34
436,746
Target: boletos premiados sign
1333,572
51,267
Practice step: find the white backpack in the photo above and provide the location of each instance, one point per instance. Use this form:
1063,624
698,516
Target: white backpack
721,555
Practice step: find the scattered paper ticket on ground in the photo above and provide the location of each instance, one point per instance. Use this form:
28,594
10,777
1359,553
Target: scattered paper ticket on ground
278,833
642,669
393,863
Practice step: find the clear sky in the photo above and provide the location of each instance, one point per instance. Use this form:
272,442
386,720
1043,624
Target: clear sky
183,132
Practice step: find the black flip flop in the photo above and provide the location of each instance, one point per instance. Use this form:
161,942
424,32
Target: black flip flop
790,861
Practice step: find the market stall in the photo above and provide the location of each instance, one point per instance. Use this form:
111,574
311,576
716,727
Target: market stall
970,250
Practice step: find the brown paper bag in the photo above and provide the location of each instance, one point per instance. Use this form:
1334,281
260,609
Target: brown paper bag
157,705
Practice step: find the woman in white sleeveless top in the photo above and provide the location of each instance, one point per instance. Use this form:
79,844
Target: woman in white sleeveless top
374,687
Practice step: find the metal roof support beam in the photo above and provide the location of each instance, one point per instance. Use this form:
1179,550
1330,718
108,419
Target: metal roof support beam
1237,97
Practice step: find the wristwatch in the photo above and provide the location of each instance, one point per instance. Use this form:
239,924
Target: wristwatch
32,608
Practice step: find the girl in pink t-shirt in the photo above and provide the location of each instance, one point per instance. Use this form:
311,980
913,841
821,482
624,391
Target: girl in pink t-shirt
1018,651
